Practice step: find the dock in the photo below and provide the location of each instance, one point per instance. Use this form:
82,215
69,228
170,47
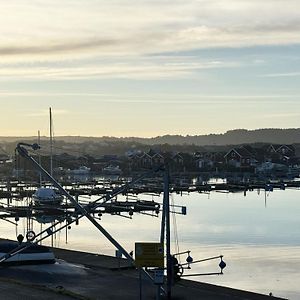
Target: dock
22,189
82,275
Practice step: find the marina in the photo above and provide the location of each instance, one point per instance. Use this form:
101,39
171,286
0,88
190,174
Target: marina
169,166
15,189
143,209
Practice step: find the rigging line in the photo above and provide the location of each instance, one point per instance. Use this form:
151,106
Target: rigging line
59,236
176,242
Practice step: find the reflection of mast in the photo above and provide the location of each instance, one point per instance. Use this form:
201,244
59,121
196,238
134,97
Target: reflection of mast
265,199
51,143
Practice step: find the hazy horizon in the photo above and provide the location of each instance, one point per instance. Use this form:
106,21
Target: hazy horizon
149,137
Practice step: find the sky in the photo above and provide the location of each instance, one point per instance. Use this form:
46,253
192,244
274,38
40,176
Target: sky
148,68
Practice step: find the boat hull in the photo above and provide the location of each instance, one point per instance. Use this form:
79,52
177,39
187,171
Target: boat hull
35,254
47,196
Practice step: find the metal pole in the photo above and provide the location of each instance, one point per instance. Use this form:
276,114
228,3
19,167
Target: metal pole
163,225
158,293
51,144
40,161
168,236
163,220
140,282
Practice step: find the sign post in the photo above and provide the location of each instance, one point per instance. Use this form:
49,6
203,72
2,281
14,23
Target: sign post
151,255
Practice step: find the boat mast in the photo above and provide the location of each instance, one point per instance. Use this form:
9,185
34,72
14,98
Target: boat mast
40,162
51,143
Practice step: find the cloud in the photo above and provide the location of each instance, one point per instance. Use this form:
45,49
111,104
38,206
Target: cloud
137,68
285,115
145,27
45,113
289,74
183,99
55,48
67,33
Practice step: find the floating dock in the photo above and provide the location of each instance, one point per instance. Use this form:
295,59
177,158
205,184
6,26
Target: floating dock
20,190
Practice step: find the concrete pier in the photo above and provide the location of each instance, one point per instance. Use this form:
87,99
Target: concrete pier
81,275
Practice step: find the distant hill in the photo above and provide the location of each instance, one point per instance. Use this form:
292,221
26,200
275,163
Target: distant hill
232,137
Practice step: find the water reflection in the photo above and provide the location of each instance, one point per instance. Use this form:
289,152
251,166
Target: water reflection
261,245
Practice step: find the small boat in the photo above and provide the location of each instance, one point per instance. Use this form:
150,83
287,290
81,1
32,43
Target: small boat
47,196
82,170
35,254
112,170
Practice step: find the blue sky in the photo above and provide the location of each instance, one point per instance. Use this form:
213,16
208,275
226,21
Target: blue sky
147,68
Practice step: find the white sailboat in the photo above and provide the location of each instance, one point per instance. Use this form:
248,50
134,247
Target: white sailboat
48,195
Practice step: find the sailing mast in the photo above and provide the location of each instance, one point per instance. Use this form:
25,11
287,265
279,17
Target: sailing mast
40,160
51,143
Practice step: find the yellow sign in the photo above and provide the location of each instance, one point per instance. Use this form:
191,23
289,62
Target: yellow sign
149,255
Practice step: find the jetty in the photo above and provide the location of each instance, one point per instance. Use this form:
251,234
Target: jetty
81,275
24,189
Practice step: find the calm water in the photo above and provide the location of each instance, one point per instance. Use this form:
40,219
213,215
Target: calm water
259,236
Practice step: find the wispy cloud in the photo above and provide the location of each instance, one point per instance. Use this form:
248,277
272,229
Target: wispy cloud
289,74
55,48
159,99
45,113
121,27
119,36
284,115
137,68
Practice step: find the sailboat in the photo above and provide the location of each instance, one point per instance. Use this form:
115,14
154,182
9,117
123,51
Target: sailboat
48,195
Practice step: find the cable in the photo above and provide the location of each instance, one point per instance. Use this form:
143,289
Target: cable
176,242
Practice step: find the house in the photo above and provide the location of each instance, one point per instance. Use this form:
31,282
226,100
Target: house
146,161
279,153
240,157
157,159
286,150
204,160
177,159
271,149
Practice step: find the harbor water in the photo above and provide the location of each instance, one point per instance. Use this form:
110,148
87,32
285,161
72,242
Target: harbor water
258,234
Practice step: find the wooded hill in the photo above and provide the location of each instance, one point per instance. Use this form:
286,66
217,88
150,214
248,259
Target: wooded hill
232,137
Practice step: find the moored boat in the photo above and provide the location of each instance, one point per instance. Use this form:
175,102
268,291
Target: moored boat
35,254
82,170
112,170
47,196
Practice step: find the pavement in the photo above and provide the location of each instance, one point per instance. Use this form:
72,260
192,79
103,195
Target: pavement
80,275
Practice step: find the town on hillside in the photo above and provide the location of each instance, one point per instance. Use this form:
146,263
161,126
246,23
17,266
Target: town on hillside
277,161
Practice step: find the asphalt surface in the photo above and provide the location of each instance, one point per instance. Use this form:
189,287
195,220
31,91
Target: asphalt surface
79,275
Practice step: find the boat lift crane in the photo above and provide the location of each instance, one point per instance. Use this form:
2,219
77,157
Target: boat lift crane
174,270
81,210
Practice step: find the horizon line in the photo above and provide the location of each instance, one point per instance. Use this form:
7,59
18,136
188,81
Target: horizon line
150,137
